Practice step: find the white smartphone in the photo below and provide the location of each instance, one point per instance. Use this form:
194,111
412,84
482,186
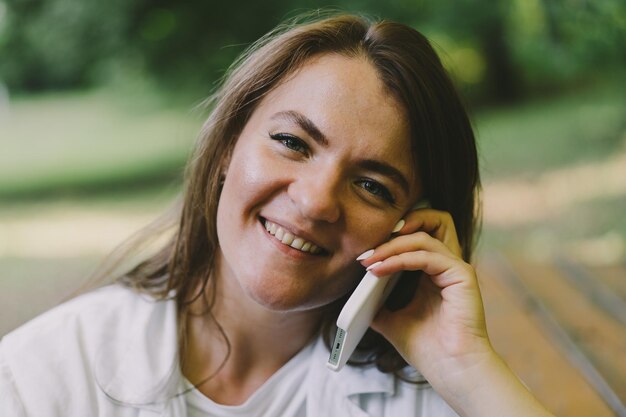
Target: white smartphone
359,311
357,315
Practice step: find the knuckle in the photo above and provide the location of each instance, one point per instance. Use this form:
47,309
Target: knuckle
422,234
446,218
468,268
420,256
406,260
421,237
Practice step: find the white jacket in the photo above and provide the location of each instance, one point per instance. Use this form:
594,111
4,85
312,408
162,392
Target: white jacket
113,353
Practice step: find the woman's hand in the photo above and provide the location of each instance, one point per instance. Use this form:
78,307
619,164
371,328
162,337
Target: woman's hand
445,319
442,331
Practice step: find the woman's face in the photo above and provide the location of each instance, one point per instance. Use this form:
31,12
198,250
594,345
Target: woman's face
325,163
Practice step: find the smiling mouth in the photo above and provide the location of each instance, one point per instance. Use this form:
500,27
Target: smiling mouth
289,239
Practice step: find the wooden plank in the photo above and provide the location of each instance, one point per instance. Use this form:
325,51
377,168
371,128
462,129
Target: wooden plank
613,276
593,289
600,337
518,336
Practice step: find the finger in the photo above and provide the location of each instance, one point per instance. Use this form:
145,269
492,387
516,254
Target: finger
443,270
407,243
438,224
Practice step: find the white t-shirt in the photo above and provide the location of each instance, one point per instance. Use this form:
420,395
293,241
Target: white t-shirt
113,353
283,394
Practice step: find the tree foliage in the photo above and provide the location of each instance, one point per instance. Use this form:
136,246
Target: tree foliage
496,49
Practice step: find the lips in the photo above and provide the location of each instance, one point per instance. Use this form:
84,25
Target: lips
287,238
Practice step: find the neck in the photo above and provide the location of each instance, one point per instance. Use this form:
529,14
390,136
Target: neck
235,348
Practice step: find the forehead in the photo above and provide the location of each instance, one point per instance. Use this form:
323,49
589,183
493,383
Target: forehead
348,102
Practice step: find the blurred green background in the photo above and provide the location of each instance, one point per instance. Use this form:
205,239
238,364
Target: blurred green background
99,108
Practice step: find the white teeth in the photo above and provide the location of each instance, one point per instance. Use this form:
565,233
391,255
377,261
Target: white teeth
289,239
297,243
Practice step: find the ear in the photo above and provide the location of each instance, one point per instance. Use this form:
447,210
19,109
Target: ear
225,164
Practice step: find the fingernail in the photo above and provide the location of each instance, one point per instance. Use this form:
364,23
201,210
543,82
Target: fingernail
398,226
365,255
374,265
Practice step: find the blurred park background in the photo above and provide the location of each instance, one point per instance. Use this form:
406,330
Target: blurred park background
100,106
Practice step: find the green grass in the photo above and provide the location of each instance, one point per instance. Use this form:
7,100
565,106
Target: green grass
103,141
542,135
91,140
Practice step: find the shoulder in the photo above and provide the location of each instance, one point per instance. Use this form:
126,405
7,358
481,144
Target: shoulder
10,401
73,354
87,318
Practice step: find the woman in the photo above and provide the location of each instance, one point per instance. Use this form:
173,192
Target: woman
322,139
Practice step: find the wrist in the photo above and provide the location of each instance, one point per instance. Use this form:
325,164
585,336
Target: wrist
456,375
481,384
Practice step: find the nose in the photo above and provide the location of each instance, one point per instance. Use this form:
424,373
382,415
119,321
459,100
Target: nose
317,195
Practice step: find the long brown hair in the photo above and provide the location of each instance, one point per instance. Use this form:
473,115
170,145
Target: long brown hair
443,148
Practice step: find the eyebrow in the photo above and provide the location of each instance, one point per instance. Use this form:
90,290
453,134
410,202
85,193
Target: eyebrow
304,122
309,127
387,170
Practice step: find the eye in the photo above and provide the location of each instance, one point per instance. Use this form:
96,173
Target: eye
290,142
376,188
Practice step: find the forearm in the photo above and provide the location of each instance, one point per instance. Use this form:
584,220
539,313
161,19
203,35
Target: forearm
489,388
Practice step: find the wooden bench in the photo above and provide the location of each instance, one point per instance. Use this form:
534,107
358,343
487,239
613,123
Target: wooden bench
561,326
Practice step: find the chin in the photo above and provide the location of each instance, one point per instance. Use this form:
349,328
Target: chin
282,298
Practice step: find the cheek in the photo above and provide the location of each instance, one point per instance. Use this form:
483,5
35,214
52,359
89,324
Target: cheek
252,172
349,278
368,230
243,183
284,293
